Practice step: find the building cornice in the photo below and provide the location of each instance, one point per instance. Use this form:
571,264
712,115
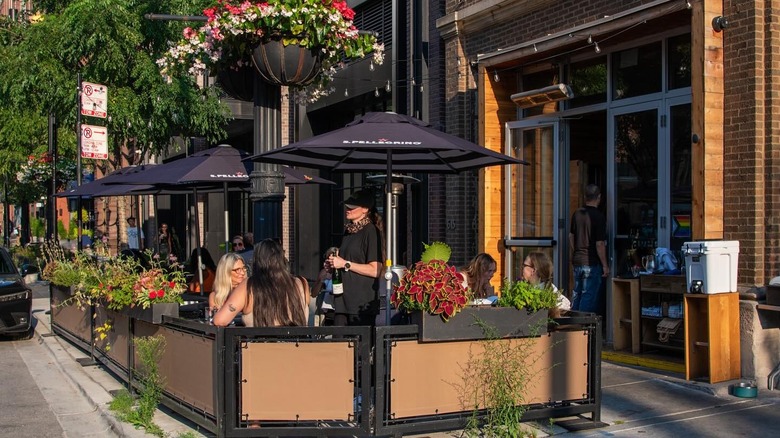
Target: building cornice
485,14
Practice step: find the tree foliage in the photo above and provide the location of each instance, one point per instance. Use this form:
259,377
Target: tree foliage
107,42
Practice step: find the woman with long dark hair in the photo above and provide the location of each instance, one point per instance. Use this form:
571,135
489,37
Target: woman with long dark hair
477,276
271,296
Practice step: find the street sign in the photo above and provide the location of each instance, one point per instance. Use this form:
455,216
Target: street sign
94,99
94,142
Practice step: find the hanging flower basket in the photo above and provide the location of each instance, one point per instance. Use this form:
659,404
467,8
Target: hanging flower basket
286,64
238,83
319,36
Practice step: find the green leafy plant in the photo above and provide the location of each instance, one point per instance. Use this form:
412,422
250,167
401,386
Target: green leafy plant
140,411
117,282
37,227
431,285
524,295
496,380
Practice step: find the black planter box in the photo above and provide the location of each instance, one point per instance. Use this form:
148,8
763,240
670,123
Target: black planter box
154,313
506,322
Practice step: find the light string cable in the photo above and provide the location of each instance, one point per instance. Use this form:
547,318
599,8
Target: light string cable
589,40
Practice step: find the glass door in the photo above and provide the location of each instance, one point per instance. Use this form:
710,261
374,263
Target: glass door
635,203
531,193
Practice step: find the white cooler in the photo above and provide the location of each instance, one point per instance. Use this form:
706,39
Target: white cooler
711,266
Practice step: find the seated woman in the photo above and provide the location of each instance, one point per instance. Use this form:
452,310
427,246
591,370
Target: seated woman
271,296
231,271
537,269
209,271
477,275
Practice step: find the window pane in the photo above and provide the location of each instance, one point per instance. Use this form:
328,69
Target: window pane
588,81
636,194
679,61
680,184
637,71
532,185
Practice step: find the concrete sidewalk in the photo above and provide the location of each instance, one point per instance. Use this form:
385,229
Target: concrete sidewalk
96,383
635,401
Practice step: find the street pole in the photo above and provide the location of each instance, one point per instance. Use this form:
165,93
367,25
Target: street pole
78,160
267,181
6,215
51,231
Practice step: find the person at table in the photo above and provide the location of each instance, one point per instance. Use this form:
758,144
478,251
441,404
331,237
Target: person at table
477,276
231,271
271,296
538,270
209,271
322,292
164,242
360,261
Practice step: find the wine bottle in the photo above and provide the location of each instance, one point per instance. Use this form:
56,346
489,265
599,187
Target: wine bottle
338,286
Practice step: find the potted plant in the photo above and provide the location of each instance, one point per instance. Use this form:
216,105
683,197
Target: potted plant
297,43
432,293
431,285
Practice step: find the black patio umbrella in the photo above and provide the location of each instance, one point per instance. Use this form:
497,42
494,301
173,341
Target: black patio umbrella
390,142
209,170
109,185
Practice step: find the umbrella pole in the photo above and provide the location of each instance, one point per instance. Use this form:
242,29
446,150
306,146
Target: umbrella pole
389,230
197,240
227,231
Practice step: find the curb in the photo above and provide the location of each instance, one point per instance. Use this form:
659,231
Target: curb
96,394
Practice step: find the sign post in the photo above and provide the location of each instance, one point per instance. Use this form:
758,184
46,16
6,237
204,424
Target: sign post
92,141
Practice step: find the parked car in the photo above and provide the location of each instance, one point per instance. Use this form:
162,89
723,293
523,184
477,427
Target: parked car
15,299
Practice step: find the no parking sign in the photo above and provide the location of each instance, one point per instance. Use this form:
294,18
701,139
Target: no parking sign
94,142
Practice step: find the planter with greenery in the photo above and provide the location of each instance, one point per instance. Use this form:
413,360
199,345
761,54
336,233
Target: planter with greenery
432,294
121,284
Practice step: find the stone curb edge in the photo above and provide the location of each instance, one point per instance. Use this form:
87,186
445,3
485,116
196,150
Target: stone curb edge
96,394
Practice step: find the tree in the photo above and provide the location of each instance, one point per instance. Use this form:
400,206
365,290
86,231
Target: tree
108,42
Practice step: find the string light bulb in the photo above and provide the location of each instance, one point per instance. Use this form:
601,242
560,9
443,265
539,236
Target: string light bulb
495,76
414,82
688,4
422,88
590,39
346,92
387,86
535,49
597,48
371,66
376,92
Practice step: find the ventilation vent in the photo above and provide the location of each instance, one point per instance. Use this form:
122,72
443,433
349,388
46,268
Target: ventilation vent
376,16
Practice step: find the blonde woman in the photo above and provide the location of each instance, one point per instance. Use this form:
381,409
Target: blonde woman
231,271
271,296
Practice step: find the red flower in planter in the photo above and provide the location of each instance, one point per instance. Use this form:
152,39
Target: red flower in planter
432,286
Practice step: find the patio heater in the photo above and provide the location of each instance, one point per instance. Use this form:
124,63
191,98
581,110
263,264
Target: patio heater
394,274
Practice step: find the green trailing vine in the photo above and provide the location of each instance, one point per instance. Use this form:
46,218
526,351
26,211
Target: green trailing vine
139,411
495,383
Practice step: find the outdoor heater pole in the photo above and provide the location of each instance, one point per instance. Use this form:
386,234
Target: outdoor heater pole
389,228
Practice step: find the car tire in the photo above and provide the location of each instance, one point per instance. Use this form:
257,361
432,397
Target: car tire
29,334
